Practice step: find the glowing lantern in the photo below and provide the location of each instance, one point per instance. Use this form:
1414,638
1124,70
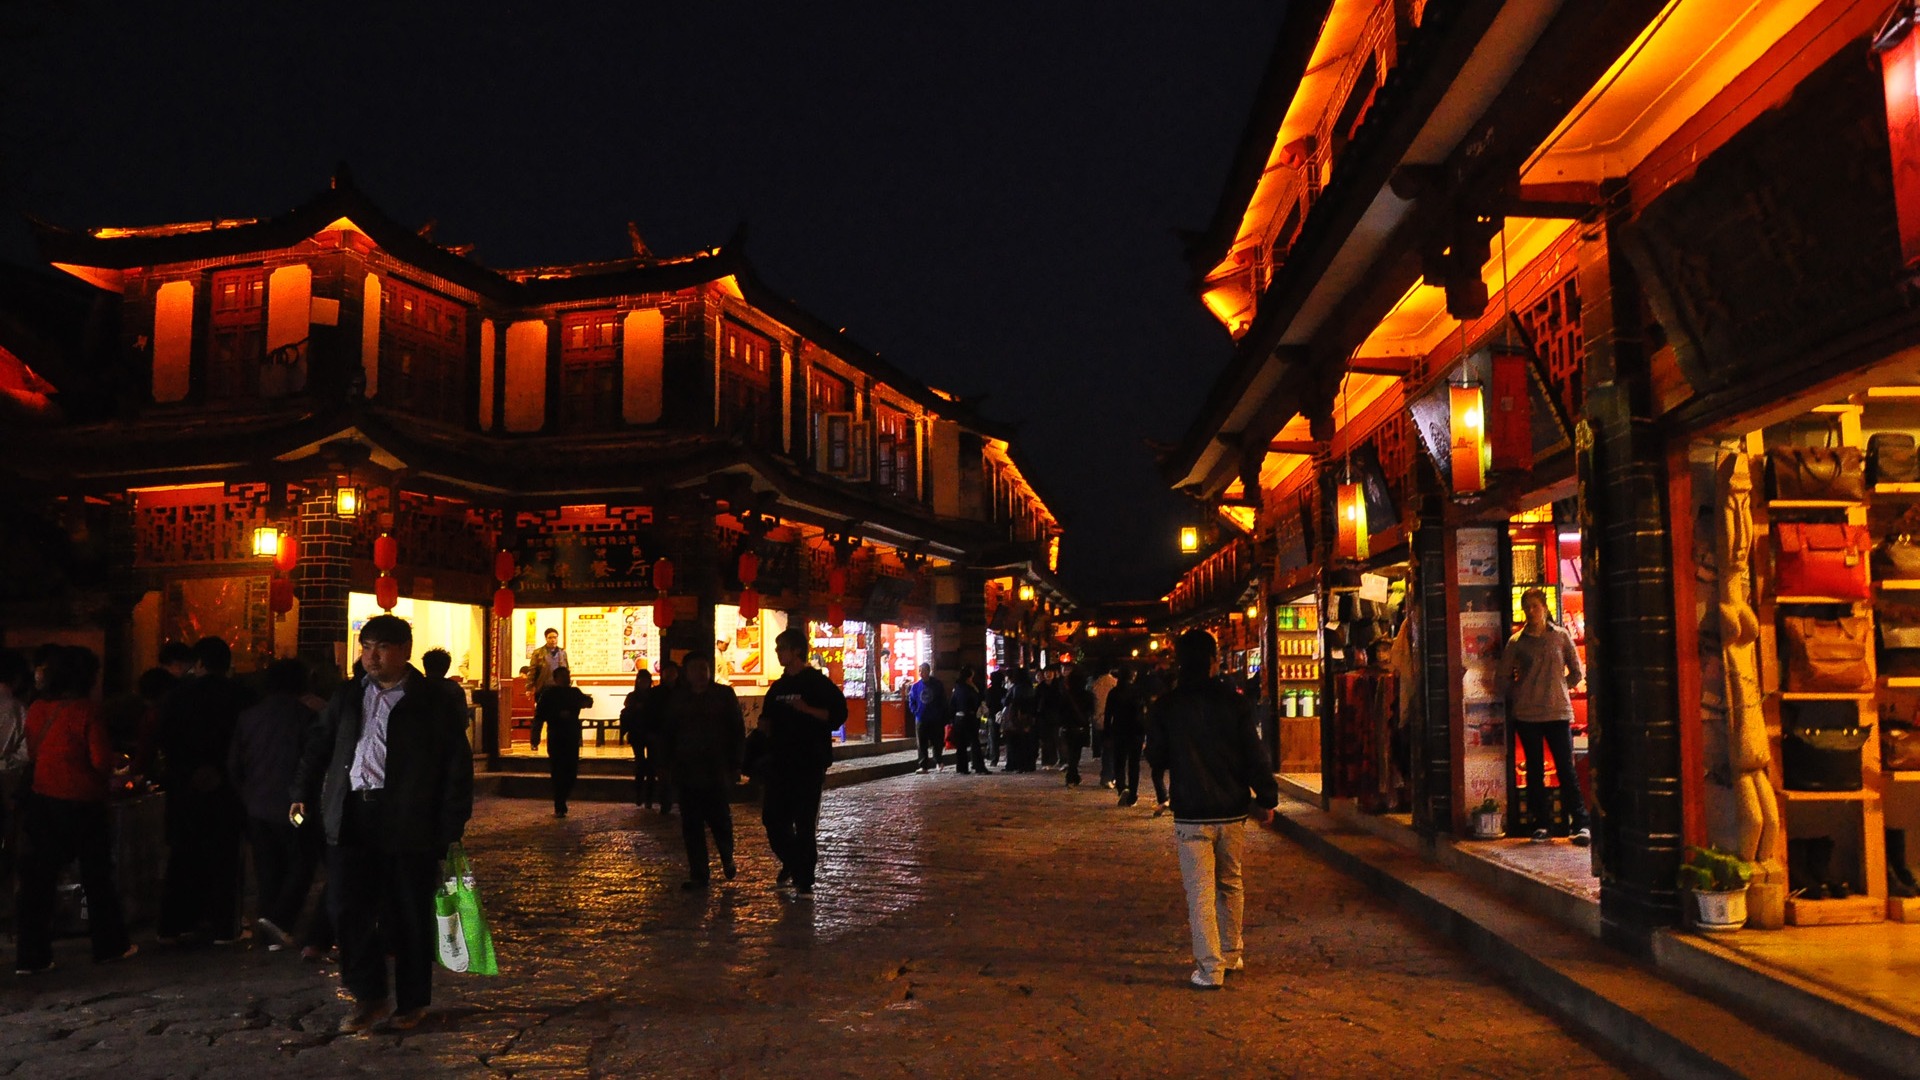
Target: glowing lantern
280,596
749,567
386,592
386,553
1026,594
266,541
1351,539
1189,539
346,501
663,580
503,567
836,613
749,603
287,554
663,612
837,581
1510,423
502,602
1468,430
1899,49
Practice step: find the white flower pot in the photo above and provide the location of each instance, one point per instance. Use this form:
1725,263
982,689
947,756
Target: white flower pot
1720,912
1489,824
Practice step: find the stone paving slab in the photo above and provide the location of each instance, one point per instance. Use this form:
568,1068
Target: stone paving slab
963,926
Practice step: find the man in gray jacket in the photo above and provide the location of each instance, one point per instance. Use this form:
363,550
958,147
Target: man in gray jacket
1202,732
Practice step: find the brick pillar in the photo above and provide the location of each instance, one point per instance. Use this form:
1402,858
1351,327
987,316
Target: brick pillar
1432,779
320,582
959,622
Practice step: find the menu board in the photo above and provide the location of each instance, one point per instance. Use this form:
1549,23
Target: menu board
594,641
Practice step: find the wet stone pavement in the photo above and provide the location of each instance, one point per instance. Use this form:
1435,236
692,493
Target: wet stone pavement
963,926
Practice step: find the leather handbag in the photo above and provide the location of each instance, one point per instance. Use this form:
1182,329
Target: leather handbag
1829,656
1898,621
1896,557
1823,759
1821,560
1899,747
1835,473
1892,459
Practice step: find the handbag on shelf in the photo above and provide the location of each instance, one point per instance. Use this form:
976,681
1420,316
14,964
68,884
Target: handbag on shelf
1892,459
1829,656
1830,473
1897,557
1823,759
1899,747
1898,621
1821,560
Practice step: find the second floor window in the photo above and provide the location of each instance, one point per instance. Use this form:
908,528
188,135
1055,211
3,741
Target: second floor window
590,371
746,384
423,352
896,454
237,342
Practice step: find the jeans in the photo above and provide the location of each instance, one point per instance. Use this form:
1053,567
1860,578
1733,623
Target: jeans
966,744
1073,740
1124,747
283,862
382,904
57,832
1210,868
704,809
933,738
563,765
1558,737
790,809
646,773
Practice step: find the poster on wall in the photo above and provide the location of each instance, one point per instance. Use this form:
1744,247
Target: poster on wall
594,638
637,638
1480,643
1476,557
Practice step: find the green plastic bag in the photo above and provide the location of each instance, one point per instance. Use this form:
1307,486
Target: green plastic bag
464,943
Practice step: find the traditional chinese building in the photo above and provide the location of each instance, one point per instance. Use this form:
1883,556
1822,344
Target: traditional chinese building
300,420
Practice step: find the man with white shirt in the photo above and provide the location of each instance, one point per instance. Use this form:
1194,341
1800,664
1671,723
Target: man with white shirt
389,763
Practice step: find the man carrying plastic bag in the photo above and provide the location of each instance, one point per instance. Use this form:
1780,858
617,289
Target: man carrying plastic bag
464,943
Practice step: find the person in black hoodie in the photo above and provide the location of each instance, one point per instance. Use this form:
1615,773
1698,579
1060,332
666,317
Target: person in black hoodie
265,753
653,730
633,727
388,766
706,733
557,709
1126,727
803,709
205,819
1202,732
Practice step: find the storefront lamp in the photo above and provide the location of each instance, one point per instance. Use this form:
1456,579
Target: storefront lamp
1253,611
1026,593
1468,435
266,541
1351,539
1898,46
1189,539
1093,631
1153,646
1136,652
346,501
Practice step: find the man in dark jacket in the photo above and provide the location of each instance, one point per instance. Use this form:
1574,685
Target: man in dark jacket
803,709
653,729
265,753
205,820
388,765
1126,726
1202,732
557,709
966,724
705,735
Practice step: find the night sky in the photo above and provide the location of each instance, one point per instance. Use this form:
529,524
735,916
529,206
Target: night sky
988,194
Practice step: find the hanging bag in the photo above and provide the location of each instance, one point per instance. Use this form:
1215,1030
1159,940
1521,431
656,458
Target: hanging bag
1892,459
1821,560
464,943
1896,558
1832,472
1823,759
1899,747
1829,656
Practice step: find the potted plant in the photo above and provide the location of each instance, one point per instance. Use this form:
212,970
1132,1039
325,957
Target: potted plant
1717,880
1489,821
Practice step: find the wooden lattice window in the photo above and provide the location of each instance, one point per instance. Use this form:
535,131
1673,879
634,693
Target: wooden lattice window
237,339
590,370
746,383
423,340
1553,324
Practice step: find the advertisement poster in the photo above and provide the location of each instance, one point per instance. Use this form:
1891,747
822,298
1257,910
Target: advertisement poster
1481,639
593,641
1476,556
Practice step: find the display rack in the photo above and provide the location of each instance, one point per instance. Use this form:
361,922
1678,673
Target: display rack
1296,666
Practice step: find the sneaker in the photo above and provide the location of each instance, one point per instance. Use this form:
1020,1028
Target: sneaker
363,1017
1236,965
132,951
1198,981
1541,836
407,1019
1159,808
783,877
41,970
1582,837
277,938
726,867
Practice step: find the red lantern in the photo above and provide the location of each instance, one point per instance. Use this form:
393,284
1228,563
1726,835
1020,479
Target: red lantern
836,613
1468,438
502,602
749,567
288,553
503,568
386,553
1510,414
386,592
280,596
837,581
1899,47
663,575
663,612
749,603
1350,539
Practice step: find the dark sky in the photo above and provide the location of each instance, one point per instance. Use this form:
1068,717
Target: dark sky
986,193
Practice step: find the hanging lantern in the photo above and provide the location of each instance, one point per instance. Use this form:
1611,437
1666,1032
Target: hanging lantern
280,596
386,553
1467,417
836,613
266,541
287,553
1351,539
663,612
663,576
386,592
503,567
347,501
1025,593
1898,46
1510,419
749,603
502,602
837,581
749,567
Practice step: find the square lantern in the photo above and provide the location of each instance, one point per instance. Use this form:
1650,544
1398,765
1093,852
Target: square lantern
1467,431
266,541
347,501
1189,539
1351,538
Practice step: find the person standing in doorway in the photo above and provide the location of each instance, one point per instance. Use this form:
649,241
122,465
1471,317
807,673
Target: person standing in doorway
545,659
1537,669
557,709
388,766
1202,732
928,702
706,734
205,820
803,710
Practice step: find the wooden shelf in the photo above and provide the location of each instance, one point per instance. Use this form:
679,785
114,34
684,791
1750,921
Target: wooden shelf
1903,909
1900,682
1907,776
1794,695
1874,392
1854,909
1904,584
1830,796
1813,600
1841,408
1815,504
1896,489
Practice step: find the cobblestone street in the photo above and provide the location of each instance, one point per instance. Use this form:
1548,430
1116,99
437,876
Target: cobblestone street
962,926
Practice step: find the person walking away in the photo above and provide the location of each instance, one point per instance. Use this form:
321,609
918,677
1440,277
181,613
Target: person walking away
966,724
996,702
706,733
1125,720
654,722
388,767
204,818
633,728
1047,707
1537,669
265,753
803,710
543,661
1023,748
434,664
1202,733
1102,685
14,680
928,702
64,817
557,709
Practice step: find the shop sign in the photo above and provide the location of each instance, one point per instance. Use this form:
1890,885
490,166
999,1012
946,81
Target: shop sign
598,562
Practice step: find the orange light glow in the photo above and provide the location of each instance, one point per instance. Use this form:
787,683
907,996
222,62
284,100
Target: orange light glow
1467,428
1189,539
1351,538
172,340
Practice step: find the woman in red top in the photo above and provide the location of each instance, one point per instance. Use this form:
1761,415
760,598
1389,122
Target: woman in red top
66,815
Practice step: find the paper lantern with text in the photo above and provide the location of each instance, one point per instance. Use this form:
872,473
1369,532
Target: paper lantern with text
1510,414
1467,430
280,596
1351,539
503,566
663,578
663,611
1898,46
386,592
749,603
502,602
386,553
288,554
749,567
